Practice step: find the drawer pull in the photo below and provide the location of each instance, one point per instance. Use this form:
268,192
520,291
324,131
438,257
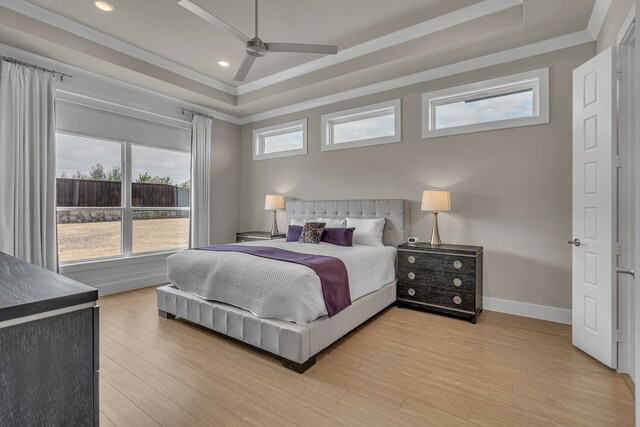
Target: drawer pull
457,264
412,275
457,300
242,241
411,292
457,282
411,259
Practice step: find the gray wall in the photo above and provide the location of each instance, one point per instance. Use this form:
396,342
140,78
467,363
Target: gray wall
511,189
616,15
225,181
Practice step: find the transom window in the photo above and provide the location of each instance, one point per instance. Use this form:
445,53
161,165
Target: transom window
287,139
362,126
516,100
115,199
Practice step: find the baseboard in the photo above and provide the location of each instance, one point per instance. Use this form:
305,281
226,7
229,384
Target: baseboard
543,312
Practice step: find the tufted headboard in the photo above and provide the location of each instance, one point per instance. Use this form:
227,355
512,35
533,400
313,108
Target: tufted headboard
396,213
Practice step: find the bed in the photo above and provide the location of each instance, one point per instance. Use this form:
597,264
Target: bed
281,328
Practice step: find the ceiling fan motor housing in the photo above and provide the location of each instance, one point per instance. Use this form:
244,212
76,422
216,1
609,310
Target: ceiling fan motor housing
256,47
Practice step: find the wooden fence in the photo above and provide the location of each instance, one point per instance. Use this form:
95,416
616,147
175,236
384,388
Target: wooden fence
89,193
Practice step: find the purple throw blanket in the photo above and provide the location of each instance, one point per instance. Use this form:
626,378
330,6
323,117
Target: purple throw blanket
332,271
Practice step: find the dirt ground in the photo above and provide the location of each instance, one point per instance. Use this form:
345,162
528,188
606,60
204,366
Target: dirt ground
101,239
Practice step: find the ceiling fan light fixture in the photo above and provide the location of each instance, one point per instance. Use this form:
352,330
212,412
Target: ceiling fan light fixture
223,63
103,5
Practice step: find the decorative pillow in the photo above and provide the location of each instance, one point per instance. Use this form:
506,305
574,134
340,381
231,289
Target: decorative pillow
368,231
333,222
338,236
311,232
293,233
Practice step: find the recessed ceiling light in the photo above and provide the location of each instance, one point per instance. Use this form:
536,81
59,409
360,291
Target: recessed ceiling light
223,63
104,6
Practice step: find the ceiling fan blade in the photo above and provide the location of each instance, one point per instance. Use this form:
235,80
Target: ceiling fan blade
302,48
209,17
244,68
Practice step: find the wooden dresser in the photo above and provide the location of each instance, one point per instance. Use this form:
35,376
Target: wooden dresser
49,358
443,279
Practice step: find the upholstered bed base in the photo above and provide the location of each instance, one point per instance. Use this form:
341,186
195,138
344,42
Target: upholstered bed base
296,344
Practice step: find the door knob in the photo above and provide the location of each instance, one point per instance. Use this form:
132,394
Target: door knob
627,271
575,242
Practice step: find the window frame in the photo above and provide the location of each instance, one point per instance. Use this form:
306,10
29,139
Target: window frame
259,135
329,120
126,207
537,80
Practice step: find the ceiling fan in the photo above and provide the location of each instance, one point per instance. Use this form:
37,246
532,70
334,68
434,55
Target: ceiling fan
255,47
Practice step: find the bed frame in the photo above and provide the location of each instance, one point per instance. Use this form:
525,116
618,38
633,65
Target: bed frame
296,344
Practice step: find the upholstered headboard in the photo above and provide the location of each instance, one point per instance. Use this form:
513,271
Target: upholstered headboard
396,213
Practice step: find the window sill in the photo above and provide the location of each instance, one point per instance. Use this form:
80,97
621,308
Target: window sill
89,265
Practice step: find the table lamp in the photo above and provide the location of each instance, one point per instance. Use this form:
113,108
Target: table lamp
274,202
436,201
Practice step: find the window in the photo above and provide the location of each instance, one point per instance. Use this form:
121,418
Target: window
160,193
287,139
516,100
359,127
117,199
88,198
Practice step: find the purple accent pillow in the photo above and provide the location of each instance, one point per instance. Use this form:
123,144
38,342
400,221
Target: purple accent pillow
311,232
338,236
294,232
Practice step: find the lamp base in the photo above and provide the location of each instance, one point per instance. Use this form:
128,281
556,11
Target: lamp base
435,234
274,227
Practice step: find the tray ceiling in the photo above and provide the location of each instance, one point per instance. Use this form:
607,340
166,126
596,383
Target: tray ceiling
162,47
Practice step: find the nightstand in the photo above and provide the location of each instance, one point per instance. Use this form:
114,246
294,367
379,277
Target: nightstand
443,279
252,236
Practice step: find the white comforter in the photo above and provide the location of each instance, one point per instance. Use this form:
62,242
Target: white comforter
278,289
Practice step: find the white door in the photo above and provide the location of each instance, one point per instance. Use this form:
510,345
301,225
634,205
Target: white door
594,132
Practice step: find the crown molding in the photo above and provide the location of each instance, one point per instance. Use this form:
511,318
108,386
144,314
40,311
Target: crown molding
66,24
497,58
598,14
430,26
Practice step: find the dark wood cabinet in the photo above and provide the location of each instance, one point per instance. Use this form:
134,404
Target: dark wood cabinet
443,279
252,236
49,355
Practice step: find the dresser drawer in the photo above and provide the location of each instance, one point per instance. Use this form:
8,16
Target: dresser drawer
439,279
433,262
452,299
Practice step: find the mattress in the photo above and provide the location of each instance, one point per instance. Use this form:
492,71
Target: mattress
278,289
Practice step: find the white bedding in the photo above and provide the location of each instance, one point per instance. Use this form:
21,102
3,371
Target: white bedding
278,289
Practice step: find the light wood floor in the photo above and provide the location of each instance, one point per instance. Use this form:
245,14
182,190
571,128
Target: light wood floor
403,367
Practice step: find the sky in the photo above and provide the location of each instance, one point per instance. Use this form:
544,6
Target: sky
374,127
74,153
487,110
283,142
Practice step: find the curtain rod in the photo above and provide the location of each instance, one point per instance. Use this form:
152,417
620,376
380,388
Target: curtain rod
196,113
37,67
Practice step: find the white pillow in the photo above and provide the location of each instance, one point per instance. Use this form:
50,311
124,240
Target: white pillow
367,232
298,222
333,222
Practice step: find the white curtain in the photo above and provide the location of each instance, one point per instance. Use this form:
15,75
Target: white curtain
200,180
27,165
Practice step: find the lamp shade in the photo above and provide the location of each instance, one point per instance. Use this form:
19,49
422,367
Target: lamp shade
436,201
273,202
